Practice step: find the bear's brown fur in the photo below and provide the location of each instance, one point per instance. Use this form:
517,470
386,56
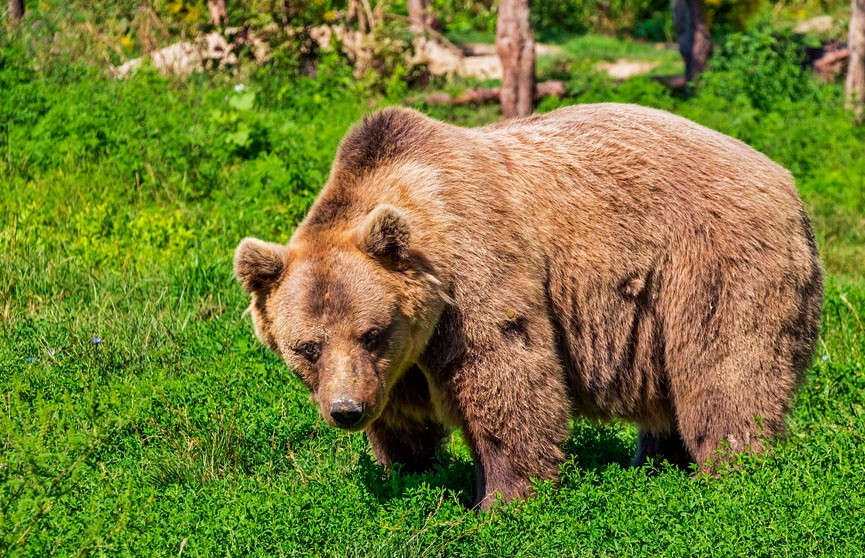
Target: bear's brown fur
608,261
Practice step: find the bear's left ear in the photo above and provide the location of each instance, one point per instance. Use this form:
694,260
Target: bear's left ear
385,234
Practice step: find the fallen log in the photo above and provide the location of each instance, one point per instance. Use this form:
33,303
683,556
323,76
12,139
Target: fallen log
491,94
676,82
831,64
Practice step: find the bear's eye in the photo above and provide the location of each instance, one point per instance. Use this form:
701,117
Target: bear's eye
310,351
371,339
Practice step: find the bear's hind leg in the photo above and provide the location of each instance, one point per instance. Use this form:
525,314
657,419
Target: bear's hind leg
715,425
733,396
735,349
407,432
662,447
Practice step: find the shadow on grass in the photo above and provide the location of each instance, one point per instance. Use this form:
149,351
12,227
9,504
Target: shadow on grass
454,474
593,448
596,447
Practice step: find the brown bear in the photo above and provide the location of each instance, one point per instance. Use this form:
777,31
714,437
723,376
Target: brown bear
607,261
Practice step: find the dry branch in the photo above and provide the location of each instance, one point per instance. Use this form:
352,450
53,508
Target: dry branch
832,63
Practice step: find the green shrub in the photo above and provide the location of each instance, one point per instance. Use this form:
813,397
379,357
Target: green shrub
615,16
466,15
761,68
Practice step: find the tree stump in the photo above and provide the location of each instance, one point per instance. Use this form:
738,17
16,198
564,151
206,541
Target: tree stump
16,10
515,45
855,86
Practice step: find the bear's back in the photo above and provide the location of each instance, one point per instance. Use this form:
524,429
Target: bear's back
629,146
628,176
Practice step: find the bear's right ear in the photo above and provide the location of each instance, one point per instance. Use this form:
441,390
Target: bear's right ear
385,234
257,264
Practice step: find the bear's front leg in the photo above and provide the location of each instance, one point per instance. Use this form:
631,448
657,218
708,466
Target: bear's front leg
514,410
407,431
662,447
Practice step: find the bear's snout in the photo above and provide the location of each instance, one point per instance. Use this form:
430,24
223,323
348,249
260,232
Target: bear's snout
346,413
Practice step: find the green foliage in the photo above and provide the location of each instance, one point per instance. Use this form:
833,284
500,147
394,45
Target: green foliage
461,16
761,68
646,19
614,17
109,33
656,26
730,15
141,417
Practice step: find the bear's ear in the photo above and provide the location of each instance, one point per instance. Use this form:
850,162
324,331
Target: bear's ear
257,264
385,234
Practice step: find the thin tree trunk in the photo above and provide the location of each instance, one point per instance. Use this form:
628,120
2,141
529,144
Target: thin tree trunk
420,15
856,64
515,45
692,34
218,14
16,10
360,11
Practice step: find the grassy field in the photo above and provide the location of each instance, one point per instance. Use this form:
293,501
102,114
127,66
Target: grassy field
139,416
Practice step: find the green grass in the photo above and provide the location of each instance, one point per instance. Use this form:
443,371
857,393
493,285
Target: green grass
602,48
120,206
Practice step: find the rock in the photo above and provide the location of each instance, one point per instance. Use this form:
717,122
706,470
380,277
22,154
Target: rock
623,68
820,24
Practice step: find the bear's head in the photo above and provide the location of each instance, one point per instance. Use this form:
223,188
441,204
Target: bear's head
349,309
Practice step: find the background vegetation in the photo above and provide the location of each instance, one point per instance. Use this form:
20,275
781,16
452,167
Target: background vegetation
139,416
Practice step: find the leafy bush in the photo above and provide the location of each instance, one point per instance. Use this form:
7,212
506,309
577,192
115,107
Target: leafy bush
466,15
730,15
760,68
581,16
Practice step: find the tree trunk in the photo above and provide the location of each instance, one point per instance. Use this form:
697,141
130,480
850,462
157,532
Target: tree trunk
692,33
856,64
421,16
16,10
515,45
218,14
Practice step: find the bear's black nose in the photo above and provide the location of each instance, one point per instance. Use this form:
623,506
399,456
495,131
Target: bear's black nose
346,413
